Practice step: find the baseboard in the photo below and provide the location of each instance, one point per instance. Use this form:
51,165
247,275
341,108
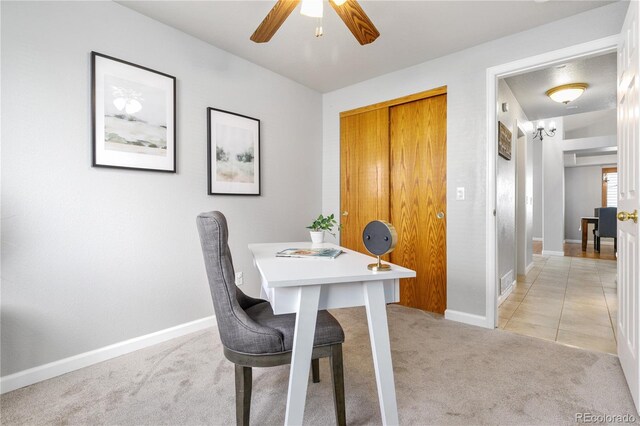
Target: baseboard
506,294
76,362
528,268
463,317
552,253
537,239
608,242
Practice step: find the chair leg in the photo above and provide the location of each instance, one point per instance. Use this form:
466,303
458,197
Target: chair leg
338,384
615,245
315,370
243,395
597,246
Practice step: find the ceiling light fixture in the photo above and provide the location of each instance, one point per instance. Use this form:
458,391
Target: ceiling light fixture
311,8
540,131
349,11
567,92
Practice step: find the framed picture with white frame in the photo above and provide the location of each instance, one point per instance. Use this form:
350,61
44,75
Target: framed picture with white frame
134,116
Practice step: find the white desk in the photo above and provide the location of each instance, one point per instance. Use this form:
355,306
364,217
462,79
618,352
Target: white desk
303,286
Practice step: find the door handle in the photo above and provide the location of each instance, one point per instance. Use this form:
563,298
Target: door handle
622,216
345,213
440,215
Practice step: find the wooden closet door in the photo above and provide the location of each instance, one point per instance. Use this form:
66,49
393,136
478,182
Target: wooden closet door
418,199
364,170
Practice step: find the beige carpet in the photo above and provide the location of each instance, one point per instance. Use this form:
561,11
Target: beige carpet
446,373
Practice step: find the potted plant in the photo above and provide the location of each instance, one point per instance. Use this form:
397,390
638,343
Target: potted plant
320,225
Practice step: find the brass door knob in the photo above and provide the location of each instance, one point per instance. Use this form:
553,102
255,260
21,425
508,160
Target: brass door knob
622,216
345,213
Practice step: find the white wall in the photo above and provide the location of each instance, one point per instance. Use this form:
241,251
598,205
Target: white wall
506,190
537,189
583,189
591,124
94,256
524,204
464,73
553,191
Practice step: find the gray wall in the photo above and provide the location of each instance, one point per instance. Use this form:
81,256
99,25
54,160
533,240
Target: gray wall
583,189
464,73
537,189
93,256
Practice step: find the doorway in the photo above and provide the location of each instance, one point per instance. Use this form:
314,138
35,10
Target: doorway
494,74
563,299
393,168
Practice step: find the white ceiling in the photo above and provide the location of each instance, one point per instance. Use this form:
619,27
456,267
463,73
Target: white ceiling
598,72
411,32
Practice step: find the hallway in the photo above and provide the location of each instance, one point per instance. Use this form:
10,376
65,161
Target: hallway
569,300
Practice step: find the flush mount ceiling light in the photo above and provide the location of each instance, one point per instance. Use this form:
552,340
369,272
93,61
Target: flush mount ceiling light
567,92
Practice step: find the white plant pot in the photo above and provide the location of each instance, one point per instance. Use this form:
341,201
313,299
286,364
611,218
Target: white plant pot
317,237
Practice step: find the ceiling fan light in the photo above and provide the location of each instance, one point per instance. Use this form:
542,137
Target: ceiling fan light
311,8
567,92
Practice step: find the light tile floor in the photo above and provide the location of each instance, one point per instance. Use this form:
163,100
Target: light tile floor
569,300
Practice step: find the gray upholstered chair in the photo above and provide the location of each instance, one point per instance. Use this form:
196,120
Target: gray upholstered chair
607,227
252,336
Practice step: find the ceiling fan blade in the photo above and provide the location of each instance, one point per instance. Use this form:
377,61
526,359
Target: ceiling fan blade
357,21
274,20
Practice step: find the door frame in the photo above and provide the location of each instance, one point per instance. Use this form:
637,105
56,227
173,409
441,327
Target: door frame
590,48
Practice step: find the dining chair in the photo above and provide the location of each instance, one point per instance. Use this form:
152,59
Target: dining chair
607,227
251,335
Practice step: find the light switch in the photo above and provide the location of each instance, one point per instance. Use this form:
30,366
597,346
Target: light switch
460,193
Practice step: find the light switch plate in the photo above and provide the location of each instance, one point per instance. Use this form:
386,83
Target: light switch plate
460,193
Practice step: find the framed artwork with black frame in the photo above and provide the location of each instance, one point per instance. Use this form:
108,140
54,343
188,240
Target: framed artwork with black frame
133,115
233,153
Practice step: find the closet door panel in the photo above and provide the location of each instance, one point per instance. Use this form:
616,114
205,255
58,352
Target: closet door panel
418,176
364,170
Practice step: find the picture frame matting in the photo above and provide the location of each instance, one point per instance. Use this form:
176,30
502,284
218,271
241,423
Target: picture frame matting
133,116
233,153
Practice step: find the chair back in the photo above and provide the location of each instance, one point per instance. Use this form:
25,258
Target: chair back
607,223
238,331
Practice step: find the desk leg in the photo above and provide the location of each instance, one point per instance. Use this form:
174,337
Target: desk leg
585,227
379,335
308,297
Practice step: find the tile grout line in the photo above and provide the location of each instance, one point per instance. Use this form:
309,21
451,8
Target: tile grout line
606,302
525,295
564,298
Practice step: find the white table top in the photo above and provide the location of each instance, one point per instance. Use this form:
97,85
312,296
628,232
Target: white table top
350,266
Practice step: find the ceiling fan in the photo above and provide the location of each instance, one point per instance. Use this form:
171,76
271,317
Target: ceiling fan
349,11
